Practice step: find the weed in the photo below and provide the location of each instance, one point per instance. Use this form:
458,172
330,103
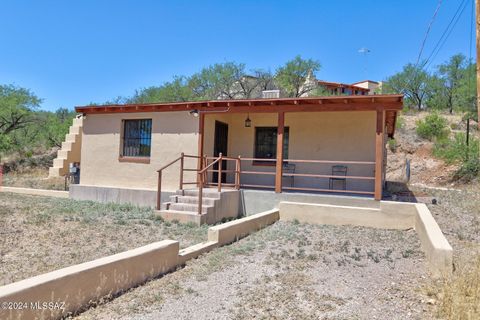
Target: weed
407,253
392,145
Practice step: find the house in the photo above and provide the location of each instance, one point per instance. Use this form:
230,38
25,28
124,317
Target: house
289,147
337,88
374,87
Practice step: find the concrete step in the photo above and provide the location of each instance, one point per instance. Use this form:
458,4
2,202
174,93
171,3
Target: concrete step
67,145
54,172
207,193
70,137
78,121
190,207
192,200
63,154
75,130
60,163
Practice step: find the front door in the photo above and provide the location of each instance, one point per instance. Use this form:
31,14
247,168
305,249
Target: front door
220,146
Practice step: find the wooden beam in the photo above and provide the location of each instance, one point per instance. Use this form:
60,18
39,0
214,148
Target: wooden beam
379,146
201,129
279,163
477,34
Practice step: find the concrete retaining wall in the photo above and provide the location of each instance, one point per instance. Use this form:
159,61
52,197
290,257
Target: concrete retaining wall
436,247
140,197
36,192
76,286
73,288
344,215
237,229
255,201
389,215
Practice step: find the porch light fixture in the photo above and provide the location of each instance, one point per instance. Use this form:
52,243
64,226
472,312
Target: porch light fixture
194,113
248,122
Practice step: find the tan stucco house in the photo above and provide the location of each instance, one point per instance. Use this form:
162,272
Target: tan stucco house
314,145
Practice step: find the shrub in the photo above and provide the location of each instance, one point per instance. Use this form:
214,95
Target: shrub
392,145
454,126
454,150
400,123
469,170
433,127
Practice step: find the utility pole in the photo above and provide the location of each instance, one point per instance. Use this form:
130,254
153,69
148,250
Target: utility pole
477,22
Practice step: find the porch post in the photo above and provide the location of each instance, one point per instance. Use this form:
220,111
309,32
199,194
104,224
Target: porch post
379,146
279,163
201,128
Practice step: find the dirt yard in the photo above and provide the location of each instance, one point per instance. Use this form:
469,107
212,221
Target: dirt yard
41,234
289,271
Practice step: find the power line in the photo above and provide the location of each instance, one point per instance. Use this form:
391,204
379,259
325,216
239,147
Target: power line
428,31
446,34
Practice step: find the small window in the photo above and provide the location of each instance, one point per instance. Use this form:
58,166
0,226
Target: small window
137,138
266,142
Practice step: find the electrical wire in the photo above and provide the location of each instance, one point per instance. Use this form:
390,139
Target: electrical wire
445,35
428,31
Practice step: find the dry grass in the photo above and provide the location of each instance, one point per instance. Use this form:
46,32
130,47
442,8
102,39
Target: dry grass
33,178
41,234
459,296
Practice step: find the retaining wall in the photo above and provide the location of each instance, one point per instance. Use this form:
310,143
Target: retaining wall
73,288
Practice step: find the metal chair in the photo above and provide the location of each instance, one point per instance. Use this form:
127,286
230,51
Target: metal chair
339,171
289,169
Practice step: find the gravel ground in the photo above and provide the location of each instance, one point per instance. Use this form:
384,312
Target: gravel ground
41,234
289,271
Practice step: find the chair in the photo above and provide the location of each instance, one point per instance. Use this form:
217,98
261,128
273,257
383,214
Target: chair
289,169
339,171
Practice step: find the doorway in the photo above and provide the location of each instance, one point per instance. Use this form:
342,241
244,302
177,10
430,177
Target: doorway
220,146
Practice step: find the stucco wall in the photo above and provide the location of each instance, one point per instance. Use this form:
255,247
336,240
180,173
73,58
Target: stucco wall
319,136
313,136
172,133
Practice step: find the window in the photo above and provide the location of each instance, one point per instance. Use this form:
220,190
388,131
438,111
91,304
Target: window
137,138
266,143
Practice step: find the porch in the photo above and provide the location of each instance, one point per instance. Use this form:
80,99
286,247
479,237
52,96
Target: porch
313,149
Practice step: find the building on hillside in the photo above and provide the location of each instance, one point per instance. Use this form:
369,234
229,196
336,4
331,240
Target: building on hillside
337,88
331,145
374,87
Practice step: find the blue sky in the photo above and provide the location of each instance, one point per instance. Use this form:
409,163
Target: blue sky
75,52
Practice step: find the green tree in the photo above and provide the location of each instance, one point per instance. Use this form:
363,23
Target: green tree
292,75
452,74
413,82
175,91
16,106
220,80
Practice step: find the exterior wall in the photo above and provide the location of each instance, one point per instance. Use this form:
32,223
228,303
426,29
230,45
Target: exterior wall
372,86
172,133
313,136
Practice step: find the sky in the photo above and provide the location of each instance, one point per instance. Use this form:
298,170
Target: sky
71,53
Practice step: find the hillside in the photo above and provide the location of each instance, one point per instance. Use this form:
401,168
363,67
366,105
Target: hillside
426,169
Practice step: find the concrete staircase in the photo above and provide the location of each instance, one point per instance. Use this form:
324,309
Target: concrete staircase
70,151
183,206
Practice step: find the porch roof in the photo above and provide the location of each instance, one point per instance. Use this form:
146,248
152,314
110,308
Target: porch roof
390,103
